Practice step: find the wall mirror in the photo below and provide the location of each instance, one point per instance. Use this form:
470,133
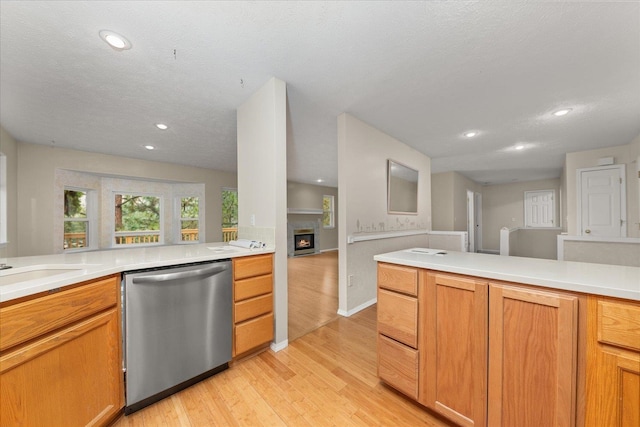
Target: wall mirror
402,189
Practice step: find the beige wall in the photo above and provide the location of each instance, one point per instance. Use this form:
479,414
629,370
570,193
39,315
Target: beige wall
534,243
616,253
460,186
262,184
36,176
623,154
9,147
308,196
503,206
362,191
442,201
449,200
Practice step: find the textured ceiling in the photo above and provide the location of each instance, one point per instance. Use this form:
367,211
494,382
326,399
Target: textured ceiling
423,72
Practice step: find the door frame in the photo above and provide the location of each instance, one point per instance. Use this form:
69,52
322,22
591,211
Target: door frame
474,221
623,196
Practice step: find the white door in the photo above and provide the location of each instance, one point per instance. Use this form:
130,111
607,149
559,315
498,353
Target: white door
540,208
602,202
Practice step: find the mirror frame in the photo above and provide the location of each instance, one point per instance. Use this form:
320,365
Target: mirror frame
407,170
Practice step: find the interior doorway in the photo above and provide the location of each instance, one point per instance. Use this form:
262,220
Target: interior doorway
474,221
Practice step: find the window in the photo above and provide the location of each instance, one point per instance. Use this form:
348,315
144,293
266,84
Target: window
138,219
229,214
3,199
189,217
79,224
327,212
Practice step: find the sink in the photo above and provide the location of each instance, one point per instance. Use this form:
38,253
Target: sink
424,251
22,274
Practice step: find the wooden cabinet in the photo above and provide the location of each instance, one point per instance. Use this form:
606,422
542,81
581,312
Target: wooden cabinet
398,356
454,347
252,303
485,353
532,357
61,357
613,363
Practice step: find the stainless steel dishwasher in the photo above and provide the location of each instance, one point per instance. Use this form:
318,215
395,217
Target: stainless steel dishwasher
177,328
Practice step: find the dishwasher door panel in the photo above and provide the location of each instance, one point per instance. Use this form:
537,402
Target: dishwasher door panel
176,328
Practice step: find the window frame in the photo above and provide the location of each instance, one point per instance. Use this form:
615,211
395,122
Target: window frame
113,233
332,216
91,219
177,223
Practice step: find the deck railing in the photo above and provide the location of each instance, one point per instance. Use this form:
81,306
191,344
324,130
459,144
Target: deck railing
79,240
229,233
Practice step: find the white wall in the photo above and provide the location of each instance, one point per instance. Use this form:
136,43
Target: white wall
9,147
503,206
362,191
308,196
262,184
36,187
623,154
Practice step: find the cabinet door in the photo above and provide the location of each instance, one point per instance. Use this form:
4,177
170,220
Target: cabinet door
454,378
532,357
613,363
72,377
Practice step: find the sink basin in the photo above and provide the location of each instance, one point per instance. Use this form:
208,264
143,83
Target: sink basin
427,251
22,274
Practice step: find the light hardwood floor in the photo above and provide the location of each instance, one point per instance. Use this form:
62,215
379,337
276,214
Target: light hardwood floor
313,292
325,378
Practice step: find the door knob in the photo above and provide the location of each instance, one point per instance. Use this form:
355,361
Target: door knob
587,231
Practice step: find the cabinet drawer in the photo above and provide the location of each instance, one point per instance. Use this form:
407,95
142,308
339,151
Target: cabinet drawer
398,366
249,288
24,321
397,278
619,324
252,333
252,307
398,317
251,266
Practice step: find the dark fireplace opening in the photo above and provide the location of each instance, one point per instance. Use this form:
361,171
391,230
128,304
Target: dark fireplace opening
303,241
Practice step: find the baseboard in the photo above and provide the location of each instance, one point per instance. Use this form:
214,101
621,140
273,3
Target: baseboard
354,310
328,250
277,346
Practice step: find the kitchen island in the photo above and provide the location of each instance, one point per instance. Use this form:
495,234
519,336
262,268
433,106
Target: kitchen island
492,340
61,333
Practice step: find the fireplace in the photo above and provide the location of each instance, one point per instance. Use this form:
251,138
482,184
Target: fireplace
303,241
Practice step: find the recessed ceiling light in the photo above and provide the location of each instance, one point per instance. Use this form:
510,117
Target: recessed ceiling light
149,147
115,40
470,134
562,112
319,180
162,126
519,147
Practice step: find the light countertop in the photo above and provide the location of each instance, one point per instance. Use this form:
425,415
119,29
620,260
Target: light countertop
80,266
598,279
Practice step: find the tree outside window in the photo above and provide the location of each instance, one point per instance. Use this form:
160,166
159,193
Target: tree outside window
76,220
229,214
189,219
138,219
327,212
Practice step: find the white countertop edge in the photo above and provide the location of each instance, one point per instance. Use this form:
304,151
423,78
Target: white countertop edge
112,265
588,281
